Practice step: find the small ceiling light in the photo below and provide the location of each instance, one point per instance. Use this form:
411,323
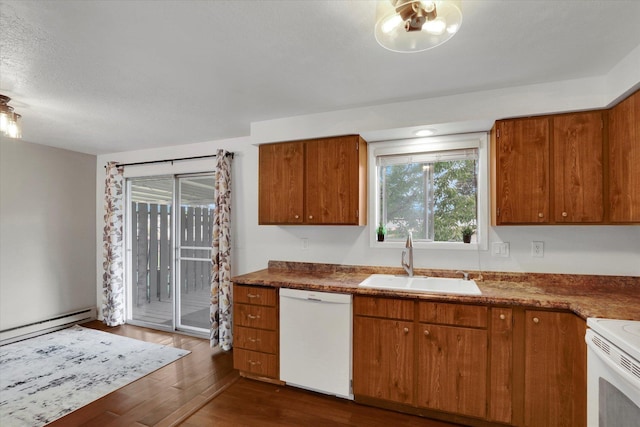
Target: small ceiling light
424,132
10,122
416,25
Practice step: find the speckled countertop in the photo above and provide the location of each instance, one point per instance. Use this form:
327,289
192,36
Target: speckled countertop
616,297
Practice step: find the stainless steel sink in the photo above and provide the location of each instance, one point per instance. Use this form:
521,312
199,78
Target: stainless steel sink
436,285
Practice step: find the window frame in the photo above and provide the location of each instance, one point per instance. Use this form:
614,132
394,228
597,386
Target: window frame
479,140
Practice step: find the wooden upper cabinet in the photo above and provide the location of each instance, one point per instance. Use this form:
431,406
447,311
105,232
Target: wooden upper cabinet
520,169
624,161
578,167
281,183
318,181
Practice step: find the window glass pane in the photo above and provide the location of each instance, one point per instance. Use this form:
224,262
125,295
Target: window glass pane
434,200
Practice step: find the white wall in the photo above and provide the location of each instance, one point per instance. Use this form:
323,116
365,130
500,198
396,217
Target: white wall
47,232
606,250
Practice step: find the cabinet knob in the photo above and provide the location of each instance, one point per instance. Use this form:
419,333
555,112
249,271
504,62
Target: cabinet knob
406,330
564,214
536,320
426,333
540,215
296,216
502,317
310,216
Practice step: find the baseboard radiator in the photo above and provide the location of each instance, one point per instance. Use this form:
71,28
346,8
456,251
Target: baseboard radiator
62,321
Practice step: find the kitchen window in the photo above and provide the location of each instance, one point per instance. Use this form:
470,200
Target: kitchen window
434,188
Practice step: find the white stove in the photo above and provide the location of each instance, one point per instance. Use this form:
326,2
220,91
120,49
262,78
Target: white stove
613,373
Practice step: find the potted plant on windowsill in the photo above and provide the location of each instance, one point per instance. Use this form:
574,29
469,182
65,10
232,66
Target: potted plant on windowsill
467,232
381,231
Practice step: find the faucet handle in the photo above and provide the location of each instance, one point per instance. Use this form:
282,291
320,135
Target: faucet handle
465,275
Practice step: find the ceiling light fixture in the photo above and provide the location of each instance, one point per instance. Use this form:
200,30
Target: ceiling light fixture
415,25
10,122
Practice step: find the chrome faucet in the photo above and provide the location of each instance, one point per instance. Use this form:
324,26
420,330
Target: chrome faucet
408,267
465,275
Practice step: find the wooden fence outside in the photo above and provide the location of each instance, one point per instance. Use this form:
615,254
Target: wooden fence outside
152,242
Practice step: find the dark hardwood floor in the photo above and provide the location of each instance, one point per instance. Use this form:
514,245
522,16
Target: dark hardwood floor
203,389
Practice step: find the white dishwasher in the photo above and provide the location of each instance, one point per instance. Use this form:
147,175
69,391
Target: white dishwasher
315,341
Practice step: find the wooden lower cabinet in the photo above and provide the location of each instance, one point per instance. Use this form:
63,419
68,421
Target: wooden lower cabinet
383,359
555,366
255,331
452,369
470,364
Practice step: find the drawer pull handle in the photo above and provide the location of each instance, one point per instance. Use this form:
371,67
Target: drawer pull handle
502,317
253,295
252,317
254,339
257,362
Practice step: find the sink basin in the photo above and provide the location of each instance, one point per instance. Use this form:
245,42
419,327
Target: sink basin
437,285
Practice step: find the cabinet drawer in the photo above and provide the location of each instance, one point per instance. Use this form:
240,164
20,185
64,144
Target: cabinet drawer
261,364
389,308
453,314
255,316
254,295
256,339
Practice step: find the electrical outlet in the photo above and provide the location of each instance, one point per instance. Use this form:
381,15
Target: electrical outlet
537,249
305,243
500,249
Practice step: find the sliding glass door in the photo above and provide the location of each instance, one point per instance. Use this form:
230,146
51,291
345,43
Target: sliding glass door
169,248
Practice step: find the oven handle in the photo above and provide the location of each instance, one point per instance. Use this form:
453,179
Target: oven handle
626,375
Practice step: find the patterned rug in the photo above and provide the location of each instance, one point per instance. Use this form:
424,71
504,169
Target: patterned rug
46,377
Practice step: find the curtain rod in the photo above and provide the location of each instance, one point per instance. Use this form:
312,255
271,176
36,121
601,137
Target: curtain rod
170,160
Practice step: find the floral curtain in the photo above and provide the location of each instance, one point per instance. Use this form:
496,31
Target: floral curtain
220,310
113,302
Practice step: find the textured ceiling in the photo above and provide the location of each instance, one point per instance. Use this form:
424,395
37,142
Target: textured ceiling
107,76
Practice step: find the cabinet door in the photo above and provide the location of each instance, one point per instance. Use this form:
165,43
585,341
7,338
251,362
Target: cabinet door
522,171
281,183
624,161
555,369
383,359
501,369
452,369
578,173
332,188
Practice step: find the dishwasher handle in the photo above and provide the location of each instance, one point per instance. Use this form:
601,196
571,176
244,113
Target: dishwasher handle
313,296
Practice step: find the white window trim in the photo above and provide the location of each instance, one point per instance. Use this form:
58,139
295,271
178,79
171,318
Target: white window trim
437,143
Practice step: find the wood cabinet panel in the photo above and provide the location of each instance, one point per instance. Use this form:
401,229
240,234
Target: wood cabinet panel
453,314
578,167
624,161
383,359
254,316
501,366
317,181
555,369
452,369
281,183
255,295
256,363
255,339
390,308
522,171
332,188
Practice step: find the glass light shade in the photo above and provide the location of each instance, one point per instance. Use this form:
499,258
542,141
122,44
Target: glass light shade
391,34
14,128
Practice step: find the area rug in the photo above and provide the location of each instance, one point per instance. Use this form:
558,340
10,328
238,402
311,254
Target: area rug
47,377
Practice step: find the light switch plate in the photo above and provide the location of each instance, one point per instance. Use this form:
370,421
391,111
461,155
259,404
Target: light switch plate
500,249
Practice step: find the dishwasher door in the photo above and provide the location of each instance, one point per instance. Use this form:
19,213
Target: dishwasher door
315,341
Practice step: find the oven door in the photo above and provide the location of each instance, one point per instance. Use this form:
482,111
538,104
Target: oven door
613,385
